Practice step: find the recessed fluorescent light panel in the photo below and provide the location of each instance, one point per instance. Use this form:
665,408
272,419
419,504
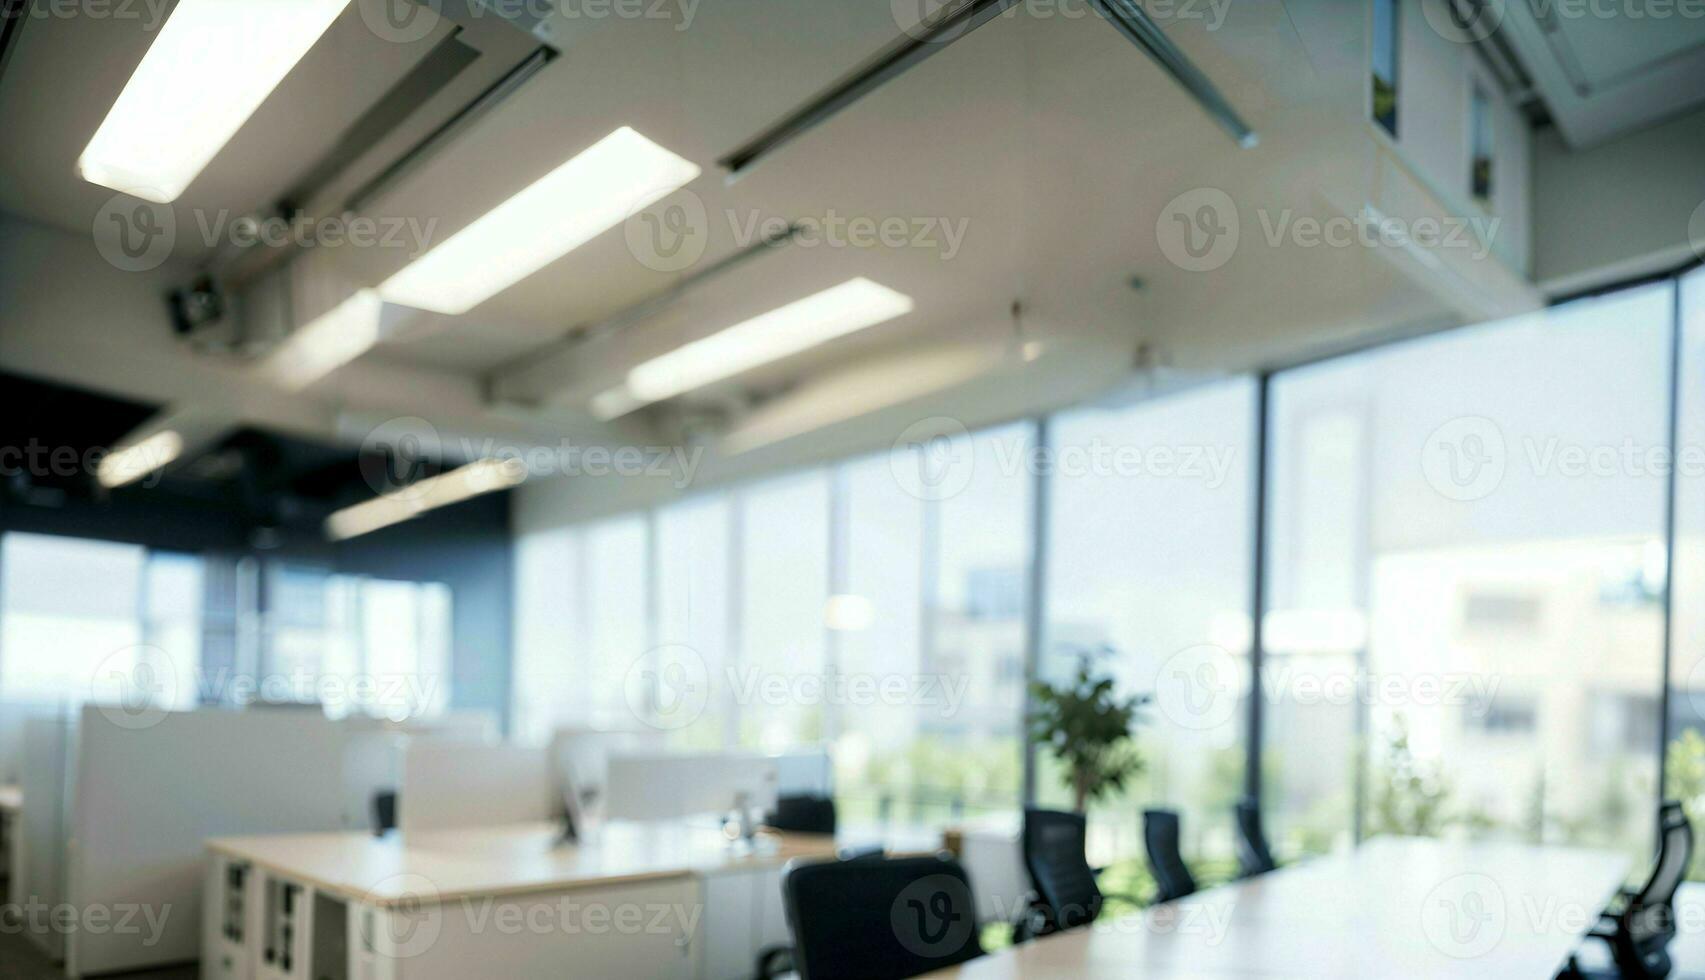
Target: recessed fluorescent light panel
213,64
576,202
136,461
852,306
462,483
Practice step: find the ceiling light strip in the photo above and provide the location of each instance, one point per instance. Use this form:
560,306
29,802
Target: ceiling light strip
592,192
212,65
133,462
854,305
463,483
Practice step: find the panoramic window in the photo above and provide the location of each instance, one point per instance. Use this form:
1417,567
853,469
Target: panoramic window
71,615
784,588
1685,769
977,539
1466,565
1149,554
694,612
883,768
549,679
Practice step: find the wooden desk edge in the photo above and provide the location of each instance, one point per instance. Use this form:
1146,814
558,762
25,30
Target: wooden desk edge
233,848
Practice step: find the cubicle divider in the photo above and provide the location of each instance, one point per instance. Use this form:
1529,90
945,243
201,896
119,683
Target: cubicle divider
44,829
449,783
151,788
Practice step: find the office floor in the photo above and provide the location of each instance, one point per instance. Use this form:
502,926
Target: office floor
21,960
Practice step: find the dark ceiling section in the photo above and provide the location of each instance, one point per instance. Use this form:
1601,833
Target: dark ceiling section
281,481
51,437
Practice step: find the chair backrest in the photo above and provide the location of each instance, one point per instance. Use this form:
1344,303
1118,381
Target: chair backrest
1054,854
880,918
384,811
1650,914
1171,874
1253,855
803,815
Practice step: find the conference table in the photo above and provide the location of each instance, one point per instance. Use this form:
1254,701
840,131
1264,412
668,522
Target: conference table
1393,908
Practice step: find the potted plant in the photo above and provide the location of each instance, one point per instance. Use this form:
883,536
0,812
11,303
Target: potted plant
1088,729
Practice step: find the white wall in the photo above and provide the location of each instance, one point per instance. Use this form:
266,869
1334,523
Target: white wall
1435,79
1620,209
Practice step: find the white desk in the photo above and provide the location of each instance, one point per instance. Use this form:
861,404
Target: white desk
1395,908
651,901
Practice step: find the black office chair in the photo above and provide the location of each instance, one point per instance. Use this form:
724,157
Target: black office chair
1066,894
1639,931
880,918
384,812
1253,855
800,815
1171,875
803,815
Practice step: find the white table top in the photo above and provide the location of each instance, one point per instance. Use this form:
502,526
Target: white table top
1394,908
517,859
11,799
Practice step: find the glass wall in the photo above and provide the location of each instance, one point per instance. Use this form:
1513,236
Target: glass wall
1148,571
1466,583
1464,593
353,644
977,540
784,564
1685,769
695,622
881,763
549,690
71,615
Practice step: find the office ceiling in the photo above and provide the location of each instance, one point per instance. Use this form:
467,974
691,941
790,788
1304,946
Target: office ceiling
54,435
1051,141
1606,69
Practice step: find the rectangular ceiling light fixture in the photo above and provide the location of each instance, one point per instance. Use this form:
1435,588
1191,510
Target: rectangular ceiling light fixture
213,64
463,483
590,194
800,325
